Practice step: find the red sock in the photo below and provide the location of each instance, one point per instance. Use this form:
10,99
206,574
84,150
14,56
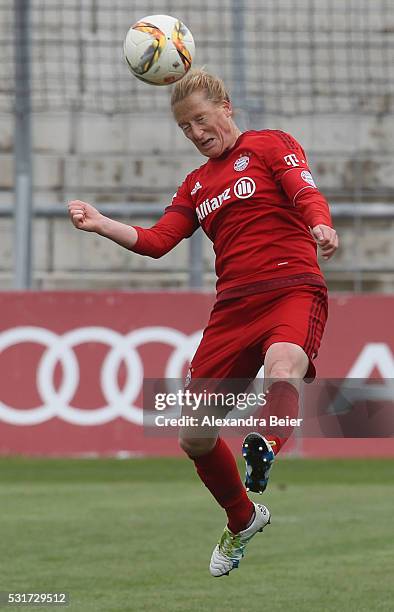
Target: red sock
219,472
275,442
282,401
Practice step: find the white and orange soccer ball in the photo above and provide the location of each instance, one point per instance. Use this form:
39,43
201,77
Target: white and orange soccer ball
159,49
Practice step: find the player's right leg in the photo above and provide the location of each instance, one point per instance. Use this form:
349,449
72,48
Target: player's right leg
218,470
231,547
218,357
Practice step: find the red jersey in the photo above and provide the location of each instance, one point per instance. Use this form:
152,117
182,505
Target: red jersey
256,202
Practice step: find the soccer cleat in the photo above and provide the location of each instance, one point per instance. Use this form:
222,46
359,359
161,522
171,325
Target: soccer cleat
259,458
231,546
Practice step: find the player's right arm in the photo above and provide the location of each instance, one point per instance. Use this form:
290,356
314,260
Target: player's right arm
178,222
86,217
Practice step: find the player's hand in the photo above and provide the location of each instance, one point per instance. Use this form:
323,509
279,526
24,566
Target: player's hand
84,216
327,240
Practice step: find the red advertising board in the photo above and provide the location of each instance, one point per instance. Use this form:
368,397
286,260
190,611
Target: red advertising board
72,367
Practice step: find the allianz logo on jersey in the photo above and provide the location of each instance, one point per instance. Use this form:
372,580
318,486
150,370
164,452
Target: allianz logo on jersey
244,188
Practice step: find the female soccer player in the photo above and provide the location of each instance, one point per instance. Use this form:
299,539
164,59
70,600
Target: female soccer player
255,198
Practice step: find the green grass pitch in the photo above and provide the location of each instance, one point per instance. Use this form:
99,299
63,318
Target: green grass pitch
138,534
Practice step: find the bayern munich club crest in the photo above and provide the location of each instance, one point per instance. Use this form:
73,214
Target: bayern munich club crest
241,163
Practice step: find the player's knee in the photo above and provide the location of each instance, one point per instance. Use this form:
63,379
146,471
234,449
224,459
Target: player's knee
196,447
285,362
282,370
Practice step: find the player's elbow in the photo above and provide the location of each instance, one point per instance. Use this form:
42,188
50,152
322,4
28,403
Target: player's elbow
154,253
158,254
153,243
160,247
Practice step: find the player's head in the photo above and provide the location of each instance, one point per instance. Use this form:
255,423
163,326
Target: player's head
202,109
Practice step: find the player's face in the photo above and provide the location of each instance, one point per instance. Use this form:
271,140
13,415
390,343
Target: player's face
208,125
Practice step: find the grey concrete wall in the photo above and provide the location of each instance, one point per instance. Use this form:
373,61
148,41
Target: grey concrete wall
129,159
141,157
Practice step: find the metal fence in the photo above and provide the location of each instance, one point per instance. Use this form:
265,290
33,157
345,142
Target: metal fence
310,59
277,56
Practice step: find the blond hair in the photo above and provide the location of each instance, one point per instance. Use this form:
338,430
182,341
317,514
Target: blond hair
198,79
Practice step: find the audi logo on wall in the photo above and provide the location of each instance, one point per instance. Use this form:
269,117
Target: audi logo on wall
78,369
59,349
58,371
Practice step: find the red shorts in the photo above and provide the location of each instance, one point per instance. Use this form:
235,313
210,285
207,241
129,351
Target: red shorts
241,330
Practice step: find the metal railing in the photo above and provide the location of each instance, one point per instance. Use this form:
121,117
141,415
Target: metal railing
344,210
312,66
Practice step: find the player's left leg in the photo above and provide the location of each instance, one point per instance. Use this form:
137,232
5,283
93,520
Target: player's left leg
295,320
284,369
286,365
285,361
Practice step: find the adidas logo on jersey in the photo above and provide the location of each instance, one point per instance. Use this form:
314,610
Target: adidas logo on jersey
196,187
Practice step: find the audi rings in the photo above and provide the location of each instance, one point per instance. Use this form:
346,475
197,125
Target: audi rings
123,349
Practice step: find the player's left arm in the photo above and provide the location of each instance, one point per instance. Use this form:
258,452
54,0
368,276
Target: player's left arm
290,169
316,213
326,238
